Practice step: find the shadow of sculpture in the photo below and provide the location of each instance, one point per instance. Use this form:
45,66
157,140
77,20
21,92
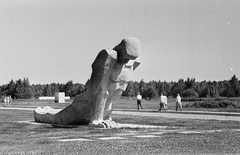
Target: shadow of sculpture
111,71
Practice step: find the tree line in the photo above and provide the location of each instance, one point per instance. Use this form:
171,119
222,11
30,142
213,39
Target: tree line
21,89
189,88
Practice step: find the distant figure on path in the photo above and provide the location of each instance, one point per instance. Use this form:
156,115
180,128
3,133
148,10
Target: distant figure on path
10,100
7,100
139,101
163,102
178,102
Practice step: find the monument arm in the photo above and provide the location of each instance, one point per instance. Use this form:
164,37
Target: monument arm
102,68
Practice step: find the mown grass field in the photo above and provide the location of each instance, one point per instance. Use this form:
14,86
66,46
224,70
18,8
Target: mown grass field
124,103
25,138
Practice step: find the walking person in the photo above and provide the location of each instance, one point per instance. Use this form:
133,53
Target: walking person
5,100
178,102
163,102
139,101
10,100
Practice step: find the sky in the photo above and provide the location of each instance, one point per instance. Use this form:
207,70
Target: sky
50,41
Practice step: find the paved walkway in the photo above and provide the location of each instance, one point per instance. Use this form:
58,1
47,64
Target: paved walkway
187,115
169,114
130,135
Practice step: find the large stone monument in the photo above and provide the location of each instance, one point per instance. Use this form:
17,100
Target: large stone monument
111,72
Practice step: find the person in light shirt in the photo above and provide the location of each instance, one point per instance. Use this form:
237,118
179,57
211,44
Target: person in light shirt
139,101
178,102
163,102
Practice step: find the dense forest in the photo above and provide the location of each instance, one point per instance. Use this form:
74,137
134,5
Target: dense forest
189,88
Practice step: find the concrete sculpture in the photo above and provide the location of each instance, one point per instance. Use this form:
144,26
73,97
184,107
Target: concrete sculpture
111,72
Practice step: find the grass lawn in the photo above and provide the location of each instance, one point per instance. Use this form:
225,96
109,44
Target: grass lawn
154,104
215,137
123,103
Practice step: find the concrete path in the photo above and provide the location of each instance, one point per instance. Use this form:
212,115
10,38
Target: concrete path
187,115
16,108
168,114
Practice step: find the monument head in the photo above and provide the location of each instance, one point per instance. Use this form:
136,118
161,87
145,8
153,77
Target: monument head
128,49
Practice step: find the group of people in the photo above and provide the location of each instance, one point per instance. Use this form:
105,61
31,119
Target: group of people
163,102
7,100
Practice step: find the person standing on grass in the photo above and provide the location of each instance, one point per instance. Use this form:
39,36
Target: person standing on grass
178,102
5,100
10,100
163,102
139,101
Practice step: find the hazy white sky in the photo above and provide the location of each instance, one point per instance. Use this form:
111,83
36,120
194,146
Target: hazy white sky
57,40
